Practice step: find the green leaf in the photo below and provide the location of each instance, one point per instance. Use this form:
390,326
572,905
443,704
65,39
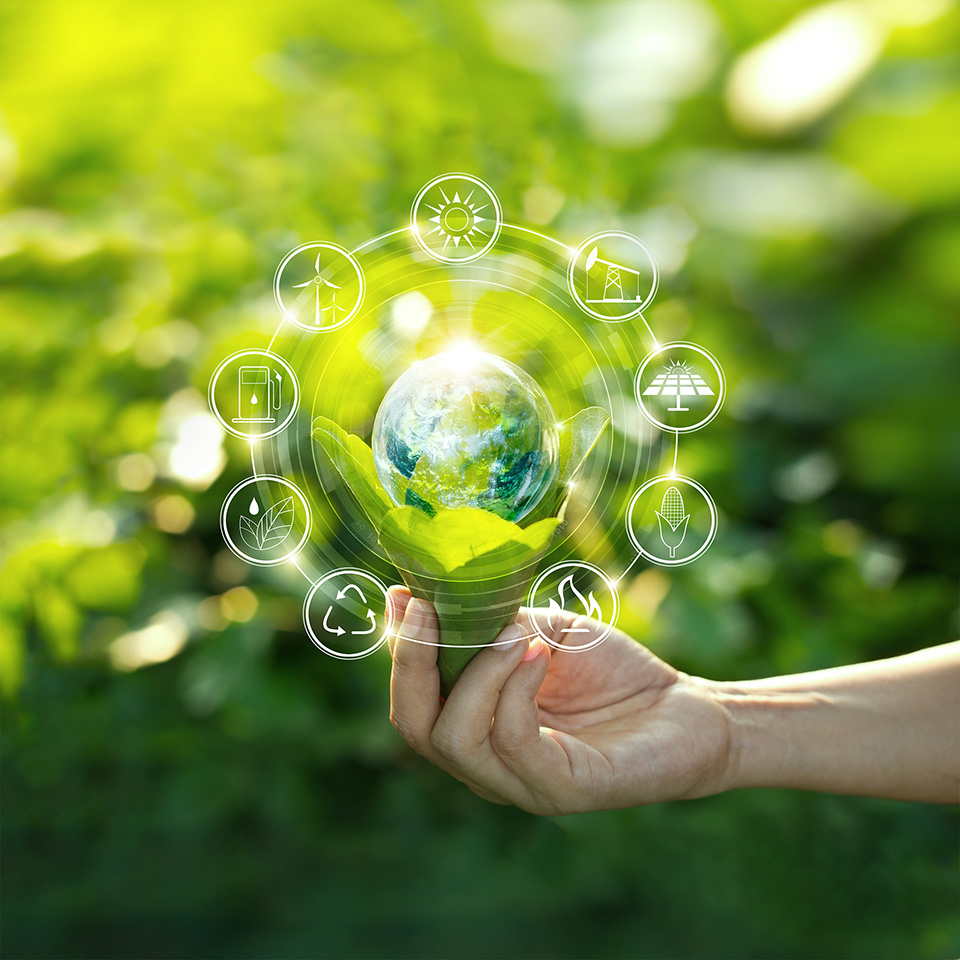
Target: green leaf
465,542
353,460
474,567
578,436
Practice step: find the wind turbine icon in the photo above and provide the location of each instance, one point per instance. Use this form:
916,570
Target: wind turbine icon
318,282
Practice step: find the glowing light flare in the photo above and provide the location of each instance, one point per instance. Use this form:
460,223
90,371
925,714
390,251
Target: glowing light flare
161,640
410,313
462,355
798,74
197,458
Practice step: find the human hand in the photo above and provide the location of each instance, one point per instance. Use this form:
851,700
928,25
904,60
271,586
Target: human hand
557,732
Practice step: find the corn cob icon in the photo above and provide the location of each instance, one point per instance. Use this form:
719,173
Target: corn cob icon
673,520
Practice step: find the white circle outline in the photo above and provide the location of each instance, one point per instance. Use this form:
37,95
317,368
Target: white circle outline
315,245
610,585
308,626
226,533
422,243
654,285
697,349
672,478
212,402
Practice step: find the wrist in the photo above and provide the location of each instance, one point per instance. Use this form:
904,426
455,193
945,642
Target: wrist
766,743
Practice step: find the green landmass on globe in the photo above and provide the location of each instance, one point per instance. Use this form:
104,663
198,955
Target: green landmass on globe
465,485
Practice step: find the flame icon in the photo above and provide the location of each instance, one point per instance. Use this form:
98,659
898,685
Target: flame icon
590,606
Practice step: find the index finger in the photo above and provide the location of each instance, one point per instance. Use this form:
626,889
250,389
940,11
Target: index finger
415,680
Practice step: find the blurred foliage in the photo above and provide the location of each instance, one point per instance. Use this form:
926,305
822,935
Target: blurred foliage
246,796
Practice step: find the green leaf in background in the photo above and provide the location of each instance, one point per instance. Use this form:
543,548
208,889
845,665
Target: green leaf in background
353,460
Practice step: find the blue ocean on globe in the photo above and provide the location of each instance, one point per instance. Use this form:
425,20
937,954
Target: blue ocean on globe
466,429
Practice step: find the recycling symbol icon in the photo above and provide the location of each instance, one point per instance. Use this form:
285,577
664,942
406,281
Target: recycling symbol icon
337,630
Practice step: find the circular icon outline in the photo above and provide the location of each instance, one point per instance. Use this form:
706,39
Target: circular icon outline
308,626
711,534
608,583
623,235
319,245
477,254
212,400
226,533
721,379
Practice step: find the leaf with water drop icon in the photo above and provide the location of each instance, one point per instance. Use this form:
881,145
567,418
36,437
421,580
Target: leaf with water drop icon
276,524
249,533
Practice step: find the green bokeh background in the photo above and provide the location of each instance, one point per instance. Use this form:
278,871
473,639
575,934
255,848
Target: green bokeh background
247,797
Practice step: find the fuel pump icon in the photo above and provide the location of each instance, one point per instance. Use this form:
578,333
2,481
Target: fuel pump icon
259,396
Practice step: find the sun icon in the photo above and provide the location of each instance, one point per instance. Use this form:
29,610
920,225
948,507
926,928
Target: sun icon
457,219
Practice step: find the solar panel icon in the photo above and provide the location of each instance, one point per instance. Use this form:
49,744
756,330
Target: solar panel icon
677,381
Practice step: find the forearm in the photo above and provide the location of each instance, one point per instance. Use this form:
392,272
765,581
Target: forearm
884,729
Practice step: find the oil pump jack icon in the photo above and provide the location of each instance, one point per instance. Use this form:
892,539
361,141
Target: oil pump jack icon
590,606
615,284
337,630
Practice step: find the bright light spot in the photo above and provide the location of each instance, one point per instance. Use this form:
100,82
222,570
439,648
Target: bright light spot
172,513
462,355
636,61
197,457
799,73
136,471
192,449
164,638
411,312
239,604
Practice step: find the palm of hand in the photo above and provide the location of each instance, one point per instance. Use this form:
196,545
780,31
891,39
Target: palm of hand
631,727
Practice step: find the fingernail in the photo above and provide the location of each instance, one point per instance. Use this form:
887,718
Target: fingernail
536,648
510,636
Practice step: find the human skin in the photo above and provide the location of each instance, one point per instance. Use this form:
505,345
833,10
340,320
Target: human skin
555,732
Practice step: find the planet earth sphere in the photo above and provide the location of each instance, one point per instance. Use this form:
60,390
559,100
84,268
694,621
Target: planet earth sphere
466,429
